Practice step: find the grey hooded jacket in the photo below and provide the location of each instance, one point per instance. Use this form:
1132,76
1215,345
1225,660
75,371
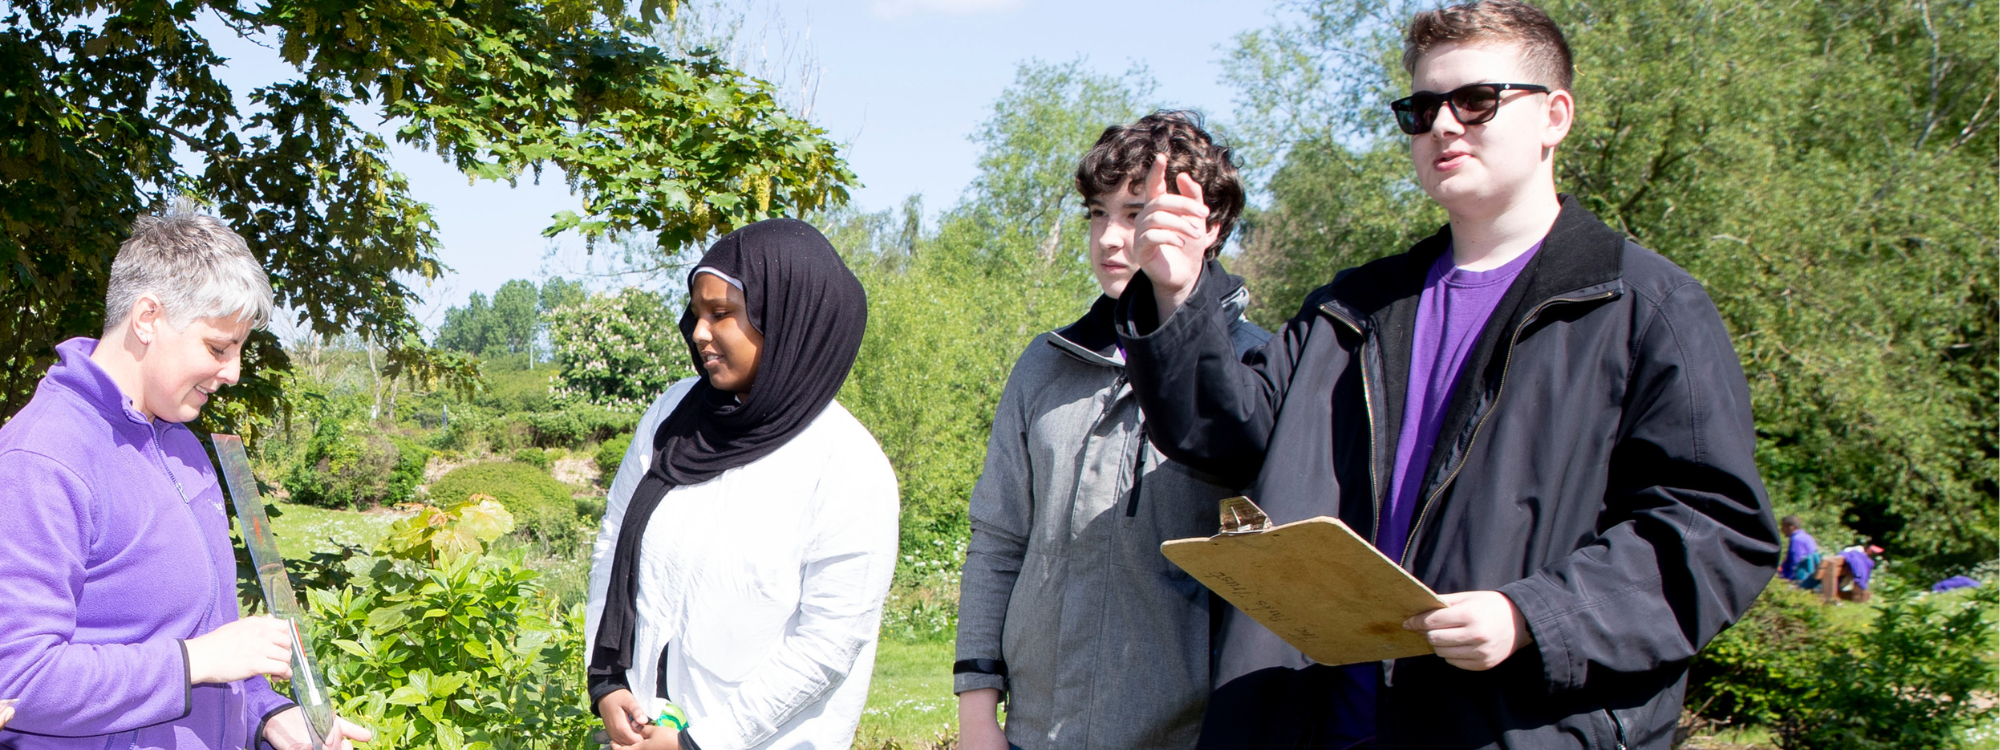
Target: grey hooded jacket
1066,603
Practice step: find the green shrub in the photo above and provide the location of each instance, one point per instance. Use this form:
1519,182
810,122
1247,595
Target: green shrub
577,425
1893,675
512,387
1754,672
465,431
610,454
566,428
507,434
1909,684
350,464
468,654
411,458
535,457
542,507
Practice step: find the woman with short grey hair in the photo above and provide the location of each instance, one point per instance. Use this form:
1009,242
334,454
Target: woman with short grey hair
120,581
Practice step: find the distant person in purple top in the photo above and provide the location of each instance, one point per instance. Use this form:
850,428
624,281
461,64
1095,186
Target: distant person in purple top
1860,562
119,628
1801,564
1536,417
1954,583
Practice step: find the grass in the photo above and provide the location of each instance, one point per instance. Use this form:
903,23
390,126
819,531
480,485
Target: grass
910,704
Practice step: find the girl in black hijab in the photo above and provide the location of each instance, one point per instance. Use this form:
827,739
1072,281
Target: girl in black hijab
751,530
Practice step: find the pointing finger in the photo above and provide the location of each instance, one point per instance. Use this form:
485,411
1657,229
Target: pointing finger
1156,178
1190,188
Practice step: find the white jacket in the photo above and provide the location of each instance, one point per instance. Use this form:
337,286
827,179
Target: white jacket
767,582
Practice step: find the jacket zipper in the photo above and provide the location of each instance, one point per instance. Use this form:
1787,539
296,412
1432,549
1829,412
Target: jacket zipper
214,570
1618,727
1138,474
160,457
1368,405
1424,511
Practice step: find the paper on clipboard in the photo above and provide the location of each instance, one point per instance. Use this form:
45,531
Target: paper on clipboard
1314,583
255,526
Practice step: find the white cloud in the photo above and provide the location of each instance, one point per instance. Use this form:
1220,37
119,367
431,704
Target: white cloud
900,8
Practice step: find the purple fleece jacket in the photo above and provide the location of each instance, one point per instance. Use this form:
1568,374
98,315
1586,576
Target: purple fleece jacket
116,548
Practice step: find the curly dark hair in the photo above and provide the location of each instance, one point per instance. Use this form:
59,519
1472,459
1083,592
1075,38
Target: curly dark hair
1124,154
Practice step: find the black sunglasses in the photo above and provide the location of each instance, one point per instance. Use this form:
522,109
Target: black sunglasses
1472,105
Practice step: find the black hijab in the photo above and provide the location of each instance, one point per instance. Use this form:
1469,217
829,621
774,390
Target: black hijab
812,312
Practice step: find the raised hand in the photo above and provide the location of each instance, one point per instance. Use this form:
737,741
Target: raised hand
1173,236
244,648
1475,631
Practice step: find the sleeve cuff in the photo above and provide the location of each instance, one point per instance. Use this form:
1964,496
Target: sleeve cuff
187,678
970,681
1560,666
601,686
257,741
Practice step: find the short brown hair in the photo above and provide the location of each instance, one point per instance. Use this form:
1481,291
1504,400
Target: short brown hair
1543,48
1124,154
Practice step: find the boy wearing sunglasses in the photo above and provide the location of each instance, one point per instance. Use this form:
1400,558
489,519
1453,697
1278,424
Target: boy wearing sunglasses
1540,419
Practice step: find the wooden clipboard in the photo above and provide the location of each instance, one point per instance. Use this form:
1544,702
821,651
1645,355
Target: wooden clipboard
1314,583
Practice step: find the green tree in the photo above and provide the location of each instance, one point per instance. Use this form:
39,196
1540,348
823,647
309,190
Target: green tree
516,315
1825,169
467,329
558,291
100,96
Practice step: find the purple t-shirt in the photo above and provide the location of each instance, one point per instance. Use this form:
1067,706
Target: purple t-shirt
1450,314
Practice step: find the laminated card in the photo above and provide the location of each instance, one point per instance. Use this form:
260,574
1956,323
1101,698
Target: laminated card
1315,583
255,526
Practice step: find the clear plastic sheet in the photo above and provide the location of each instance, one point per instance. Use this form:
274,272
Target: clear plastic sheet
283,603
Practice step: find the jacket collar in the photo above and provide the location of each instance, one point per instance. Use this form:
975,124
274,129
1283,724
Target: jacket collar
1579,252
75,372
1094,339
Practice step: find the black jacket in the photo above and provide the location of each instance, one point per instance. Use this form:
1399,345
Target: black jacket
1595,465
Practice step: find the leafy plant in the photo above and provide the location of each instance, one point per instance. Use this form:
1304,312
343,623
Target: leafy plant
1756,672
1899,674
466,654
349,463
1911,682
444,534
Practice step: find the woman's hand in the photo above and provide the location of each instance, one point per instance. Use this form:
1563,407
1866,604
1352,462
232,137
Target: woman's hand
653,737
979,721
287,731
623,719
244,648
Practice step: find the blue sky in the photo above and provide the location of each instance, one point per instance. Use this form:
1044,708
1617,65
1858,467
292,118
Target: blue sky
901,85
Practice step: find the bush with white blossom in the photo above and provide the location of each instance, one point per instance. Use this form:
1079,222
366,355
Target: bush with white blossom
618,350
